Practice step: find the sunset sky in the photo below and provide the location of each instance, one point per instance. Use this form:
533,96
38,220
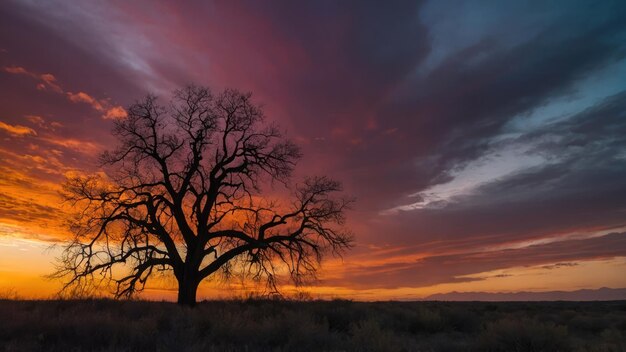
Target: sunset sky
484,141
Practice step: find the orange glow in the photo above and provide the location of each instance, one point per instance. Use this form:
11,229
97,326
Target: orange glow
29,185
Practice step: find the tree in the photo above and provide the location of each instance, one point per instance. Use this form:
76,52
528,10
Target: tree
183,193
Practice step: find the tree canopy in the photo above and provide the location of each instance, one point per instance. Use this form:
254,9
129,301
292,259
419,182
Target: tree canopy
183,191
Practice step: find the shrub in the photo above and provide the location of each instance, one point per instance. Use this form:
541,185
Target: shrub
274,325
523,335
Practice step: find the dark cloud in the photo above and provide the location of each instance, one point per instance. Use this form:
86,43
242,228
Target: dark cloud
582,185
559,265
452,268
446,117
26,210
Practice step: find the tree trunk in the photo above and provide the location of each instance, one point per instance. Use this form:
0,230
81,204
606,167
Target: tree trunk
187,288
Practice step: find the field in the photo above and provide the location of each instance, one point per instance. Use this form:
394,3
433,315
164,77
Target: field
272,325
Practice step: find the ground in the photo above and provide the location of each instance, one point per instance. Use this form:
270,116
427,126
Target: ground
272,325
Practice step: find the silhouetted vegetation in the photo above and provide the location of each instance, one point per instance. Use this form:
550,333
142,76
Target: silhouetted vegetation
183,193
268,325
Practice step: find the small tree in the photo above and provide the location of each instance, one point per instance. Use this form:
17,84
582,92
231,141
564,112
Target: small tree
182,192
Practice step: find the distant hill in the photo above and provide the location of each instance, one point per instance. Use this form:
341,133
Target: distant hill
601,294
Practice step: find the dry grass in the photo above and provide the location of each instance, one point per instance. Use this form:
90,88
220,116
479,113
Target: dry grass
269,325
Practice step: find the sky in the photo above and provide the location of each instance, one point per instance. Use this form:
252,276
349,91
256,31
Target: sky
484,141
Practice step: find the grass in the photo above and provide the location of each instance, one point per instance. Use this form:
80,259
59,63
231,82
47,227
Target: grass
272,325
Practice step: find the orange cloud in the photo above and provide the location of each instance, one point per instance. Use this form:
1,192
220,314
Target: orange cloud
30,205
82,97
16,70
17,130
35,119
42,123
74,144
48,81
110,112
115,113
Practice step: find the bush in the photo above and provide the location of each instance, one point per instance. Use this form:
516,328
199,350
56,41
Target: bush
274,325
523,335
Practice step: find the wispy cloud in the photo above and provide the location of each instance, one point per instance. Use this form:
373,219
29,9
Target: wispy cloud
77,145
17,130
82,97
49,82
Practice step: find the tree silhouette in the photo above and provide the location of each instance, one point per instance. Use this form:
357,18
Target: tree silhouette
183,192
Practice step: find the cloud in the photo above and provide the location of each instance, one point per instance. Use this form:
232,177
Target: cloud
48,81
39,121
450,268
77,145
115,113
559,265
492,166
29,206
525,164
16,70
17,130
26,209
82,97
36,119
110,112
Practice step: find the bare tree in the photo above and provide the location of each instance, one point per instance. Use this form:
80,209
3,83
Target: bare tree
183,192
